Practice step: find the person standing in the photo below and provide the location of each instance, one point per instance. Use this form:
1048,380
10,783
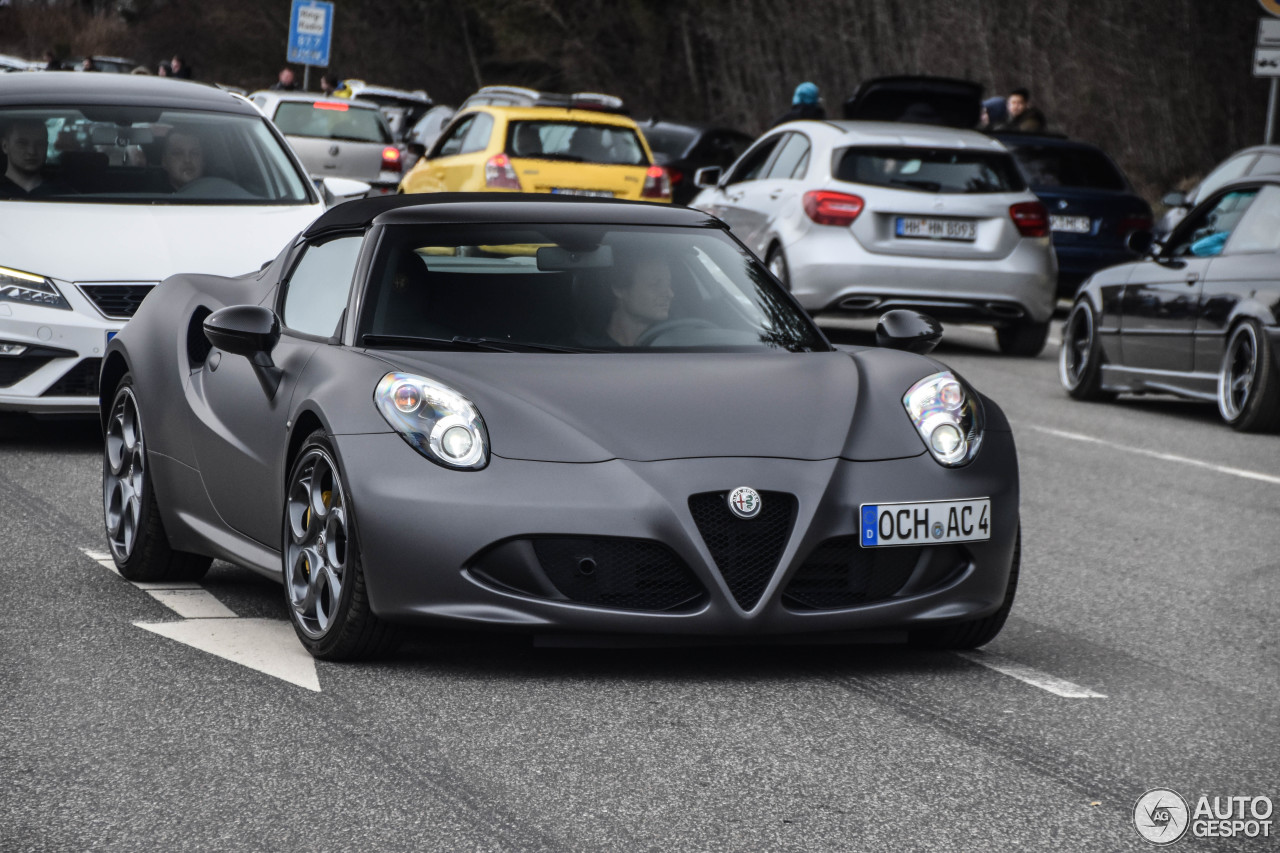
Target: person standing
806,103
285,81
1022,115
179,68
330,83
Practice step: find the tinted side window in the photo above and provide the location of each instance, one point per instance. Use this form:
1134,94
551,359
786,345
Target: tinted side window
477,137
317,291
793,156
451,142
1206,234
754,161
1259,228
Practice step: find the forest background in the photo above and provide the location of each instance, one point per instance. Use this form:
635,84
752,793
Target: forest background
1164,86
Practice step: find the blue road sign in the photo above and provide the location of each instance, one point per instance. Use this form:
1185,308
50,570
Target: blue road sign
310,31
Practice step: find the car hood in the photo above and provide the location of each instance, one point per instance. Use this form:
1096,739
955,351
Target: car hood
645,407
126,242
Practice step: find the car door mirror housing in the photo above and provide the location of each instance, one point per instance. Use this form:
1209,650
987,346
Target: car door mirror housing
707,176
908,330
1140,242
1174,199
243,330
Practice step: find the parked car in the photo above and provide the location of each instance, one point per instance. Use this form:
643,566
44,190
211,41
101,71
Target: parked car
858,217
510,139
391,464
1258,160
1198,316
1092,206
336,137
684,148
400,107
426,131
141,178
16,63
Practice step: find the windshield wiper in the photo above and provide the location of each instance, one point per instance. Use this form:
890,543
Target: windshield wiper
462,342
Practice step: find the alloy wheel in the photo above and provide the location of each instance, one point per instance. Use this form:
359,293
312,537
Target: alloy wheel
316,545
1077,342
125,474
1239,367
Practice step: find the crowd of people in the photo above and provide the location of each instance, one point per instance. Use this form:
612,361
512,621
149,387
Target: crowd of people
175,67
1014,111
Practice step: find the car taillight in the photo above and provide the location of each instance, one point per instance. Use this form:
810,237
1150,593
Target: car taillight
656,184
1133,223
1031,218
390,159
827,208
329,105
499,173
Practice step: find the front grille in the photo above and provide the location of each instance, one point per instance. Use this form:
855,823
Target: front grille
79,381
15,369
840,573
118,301
628,574
746,550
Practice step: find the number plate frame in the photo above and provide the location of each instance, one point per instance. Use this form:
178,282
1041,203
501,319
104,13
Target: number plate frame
935,228
947,516
1070,224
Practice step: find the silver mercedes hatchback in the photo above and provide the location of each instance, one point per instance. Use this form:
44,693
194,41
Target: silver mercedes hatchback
858,217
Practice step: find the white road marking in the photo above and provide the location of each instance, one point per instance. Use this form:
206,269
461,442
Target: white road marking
269,646
1034,677
192,603
1167,457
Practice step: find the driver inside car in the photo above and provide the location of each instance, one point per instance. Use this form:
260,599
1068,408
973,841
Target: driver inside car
640,300
183,158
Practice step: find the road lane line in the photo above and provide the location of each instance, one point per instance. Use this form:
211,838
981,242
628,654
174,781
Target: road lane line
1167,457
1028,675
192,603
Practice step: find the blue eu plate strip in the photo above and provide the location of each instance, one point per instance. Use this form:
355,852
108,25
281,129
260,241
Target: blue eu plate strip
870,535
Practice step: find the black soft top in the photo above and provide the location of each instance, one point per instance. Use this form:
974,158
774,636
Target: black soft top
420,208
54,88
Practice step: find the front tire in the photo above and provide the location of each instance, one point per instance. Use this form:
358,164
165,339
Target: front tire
1025,339
135,532
1248,388
324,581
976,632
1080,355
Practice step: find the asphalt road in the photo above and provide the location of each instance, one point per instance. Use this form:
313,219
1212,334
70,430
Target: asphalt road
1151,579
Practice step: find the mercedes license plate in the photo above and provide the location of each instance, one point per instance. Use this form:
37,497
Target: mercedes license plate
925,523
933,228
1071,224
592,193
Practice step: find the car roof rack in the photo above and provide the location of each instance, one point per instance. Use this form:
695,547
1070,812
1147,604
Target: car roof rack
521,96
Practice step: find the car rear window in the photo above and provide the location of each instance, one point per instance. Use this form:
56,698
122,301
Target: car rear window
577,142
671,141
325,120
1064,166
930,170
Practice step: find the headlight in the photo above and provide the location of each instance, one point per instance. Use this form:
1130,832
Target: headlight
17,286
436,420
948,417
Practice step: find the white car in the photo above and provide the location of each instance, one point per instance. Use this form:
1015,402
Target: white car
860,217
109,184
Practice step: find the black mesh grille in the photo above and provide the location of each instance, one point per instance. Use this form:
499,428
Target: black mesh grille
14,370
117,300
839,573
746,550
629,574
79,381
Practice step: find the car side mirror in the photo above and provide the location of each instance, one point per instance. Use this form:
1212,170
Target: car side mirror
417,149
908,330
707,176
1174,199
1140,242
251,331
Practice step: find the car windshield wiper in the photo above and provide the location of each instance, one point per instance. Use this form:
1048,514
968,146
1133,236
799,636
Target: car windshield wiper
463,342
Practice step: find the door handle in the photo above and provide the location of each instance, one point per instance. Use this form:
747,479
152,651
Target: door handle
736,197
1193,277
775,194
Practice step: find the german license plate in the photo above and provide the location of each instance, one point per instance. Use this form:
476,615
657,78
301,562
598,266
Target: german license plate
926,523
1071,224
592,193
933,228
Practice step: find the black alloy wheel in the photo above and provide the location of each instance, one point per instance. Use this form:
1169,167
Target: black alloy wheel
1248,388
1080,356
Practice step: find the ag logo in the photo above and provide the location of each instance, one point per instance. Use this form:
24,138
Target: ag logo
744,501
1161,816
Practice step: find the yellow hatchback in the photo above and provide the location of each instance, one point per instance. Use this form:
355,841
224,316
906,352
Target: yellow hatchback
509,139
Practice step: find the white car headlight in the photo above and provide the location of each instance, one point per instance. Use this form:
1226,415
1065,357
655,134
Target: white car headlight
948,417
18,286
436,420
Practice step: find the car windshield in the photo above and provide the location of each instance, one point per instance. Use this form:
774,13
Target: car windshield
1066,166
577,142
329,120
596,288
931,170
144,155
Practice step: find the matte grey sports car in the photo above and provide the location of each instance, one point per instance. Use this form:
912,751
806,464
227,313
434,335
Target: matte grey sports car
568,417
